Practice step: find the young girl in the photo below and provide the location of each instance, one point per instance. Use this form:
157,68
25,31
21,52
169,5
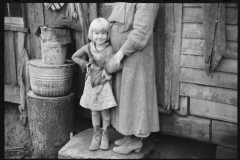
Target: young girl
97,95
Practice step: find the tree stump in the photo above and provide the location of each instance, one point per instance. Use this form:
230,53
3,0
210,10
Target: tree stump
51,120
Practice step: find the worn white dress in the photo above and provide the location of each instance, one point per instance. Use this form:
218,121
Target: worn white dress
99,97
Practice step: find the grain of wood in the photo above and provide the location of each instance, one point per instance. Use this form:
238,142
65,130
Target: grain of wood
219,79
195,30
169,40
198,62
195,15
12,56
215,94
176,55
186,126
213,110
197,47
50,122
183,106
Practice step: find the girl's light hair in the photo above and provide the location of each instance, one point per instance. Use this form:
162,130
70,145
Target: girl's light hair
99,25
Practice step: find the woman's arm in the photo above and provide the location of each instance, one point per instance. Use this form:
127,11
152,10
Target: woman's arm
143,25
77,57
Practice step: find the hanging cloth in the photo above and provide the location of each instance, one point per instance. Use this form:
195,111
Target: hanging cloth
215,38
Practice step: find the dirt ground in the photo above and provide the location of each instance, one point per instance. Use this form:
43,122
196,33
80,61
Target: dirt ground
167,146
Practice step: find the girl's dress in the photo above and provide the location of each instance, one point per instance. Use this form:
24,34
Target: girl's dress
97,93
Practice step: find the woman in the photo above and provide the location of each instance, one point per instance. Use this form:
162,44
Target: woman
134,87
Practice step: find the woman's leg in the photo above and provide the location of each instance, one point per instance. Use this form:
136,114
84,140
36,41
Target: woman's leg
106,123
97,133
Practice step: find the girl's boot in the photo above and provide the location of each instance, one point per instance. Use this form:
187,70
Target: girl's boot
96,139
105,139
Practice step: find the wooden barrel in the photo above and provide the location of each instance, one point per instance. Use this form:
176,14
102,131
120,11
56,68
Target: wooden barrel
50,80
51,120
54,45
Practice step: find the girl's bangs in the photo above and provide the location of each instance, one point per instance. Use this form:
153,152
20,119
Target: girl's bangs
100,28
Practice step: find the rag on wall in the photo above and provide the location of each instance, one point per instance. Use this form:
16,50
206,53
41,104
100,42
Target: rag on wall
215,34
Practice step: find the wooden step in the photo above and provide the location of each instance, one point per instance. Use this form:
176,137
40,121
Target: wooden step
77,147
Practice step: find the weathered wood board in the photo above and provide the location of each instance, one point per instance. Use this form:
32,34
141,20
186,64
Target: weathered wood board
213,110
169,41
186,126
219,79
183,105
35,18
224,134
195,30
233,5
195,15
197,47
176,55
198,62
215,94
11,93
10,62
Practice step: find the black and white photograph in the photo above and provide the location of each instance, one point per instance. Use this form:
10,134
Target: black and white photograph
121,80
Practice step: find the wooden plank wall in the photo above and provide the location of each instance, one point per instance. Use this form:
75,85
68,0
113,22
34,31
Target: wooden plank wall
13,45
211,98
219,89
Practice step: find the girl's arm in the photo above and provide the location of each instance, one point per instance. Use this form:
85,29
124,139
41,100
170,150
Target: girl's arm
77,57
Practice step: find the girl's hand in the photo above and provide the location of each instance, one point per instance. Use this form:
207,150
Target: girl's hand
88,66
119,56
104,74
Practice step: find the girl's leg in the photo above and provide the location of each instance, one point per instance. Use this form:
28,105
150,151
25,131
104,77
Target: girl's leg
97,133
106,123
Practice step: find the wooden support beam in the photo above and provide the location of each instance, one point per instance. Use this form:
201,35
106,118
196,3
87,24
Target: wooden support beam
169,41
176,55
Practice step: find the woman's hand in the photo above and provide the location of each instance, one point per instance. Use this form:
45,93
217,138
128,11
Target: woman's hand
104,74
119,56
